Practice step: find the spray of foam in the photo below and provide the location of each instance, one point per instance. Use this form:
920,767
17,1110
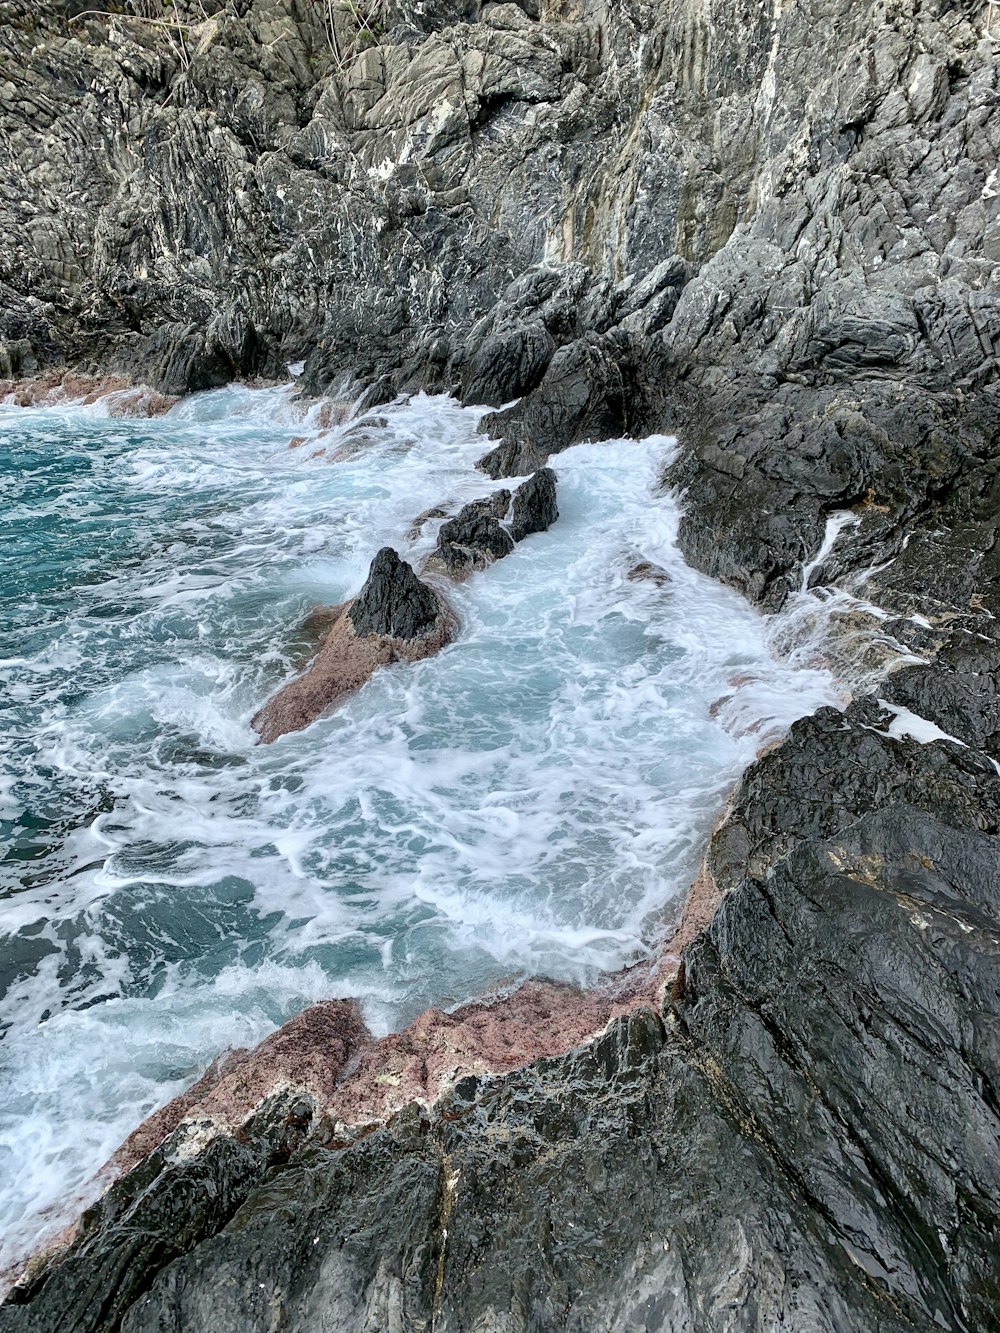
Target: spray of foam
836,626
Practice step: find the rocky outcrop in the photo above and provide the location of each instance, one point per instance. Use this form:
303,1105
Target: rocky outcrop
398,618
488,530
393,604
535,508
395,618
248,183
475,537
840,350
581,397
118,396
805,1135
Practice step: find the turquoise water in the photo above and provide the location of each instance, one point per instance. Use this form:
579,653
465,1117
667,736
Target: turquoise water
531,801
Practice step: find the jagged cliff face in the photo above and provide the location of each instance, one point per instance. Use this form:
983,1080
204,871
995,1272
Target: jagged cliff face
773,227
221,197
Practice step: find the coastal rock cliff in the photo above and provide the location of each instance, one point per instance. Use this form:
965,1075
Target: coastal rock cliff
774,230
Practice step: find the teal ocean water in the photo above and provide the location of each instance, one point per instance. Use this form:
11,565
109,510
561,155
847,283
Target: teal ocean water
531,801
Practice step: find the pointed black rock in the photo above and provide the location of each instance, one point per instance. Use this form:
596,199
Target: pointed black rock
535,508
393,600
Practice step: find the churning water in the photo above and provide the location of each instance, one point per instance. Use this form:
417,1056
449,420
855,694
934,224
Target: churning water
531,801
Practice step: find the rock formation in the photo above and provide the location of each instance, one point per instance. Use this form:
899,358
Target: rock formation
774,230
393,604
535,508
475,537
482,532
395,618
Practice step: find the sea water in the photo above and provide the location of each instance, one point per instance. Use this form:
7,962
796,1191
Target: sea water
532,801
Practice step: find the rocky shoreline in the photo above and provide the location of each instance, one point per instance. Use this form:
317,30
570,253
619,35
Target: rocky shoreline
773,230
843,971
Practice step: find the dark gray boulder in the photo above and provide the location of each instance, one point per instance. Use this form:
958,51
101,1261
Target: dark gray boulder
535,508
395,618
475,537
507,353
182,359
393,602
508,364
487,530
581,397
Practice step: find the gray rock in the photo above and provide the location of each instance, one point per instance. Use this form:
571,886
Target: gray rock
773,230
474,538
807,1137
581,397
393,601
535,508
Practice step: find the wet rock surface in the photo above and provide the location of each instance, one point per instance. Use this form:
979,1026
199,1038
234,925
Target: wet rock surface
474,538
817,1097
773,230
581,397
393,601
535,508
395,618
488,530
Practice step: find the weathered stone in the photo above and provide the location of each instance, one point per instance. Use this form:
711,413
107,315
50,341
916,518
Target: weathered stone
395,618
535,508
827,1056
393,601
581,397
773,230
474,538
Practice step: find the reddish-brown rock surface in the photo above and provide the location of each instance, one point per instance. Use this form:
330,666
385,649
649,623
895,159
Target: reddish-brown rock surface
344,662
121,397
394,618
356,1080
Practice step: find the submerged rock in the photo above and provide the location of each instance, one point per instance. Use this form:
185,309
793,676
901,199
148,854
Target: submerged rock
395,618
420,522
648,571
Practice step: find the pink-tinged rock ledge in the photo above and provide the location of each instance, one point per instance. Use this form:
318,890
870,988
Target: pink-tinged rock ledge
356,1080
120,396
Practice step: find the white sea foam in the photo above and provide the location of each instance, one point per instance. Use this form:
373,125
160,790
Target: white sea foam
906,724
531,801
835,525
